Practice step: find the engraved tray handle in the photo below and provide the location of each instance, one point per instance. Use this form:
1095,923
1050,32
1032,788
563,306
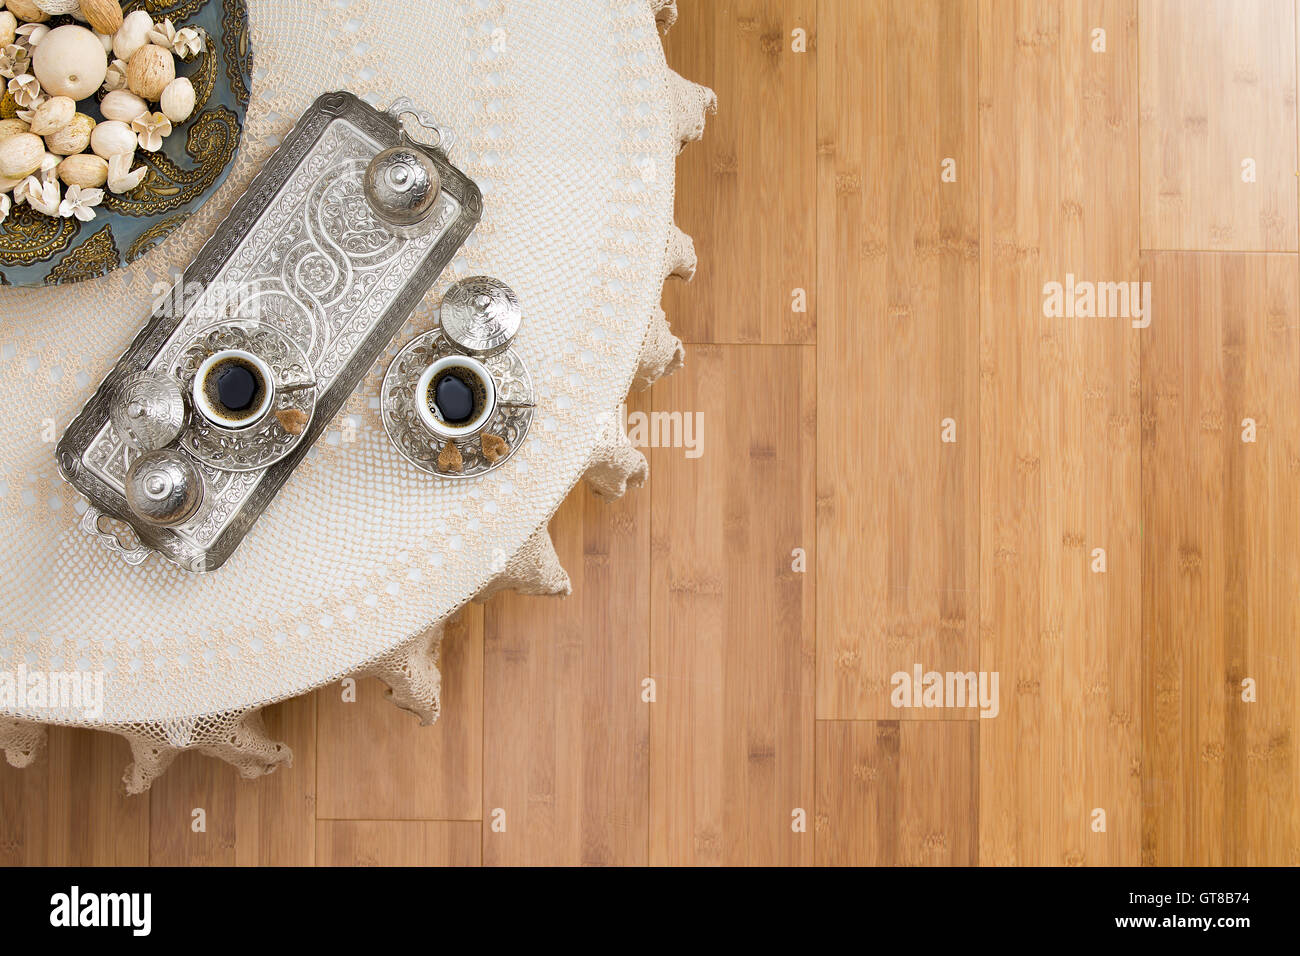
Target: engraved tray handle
403,106
110,540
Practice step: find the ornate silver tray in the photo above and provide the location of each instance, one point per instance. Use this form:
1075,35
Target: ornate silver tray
303,253
514,416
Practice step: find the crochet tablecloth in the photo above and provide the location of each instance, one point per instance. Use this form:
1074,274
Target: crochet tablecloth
569,120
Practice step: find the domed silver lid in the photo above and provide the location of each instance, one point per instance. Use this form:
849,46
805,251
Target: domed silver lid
148,410
164,487
481,315
402,184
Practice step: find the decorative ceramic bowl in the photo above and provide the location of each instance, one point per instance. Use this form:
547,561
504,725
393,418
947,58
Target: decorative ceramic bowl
36,249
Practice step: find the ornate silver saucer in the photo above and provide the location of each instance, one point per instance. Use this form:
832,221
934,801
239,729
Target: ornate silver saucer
513,418
264,445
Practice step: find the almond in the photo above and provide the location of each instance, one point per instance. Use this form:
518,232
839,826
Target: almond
177,100
112,137
133,34
104,15
27,11
122,105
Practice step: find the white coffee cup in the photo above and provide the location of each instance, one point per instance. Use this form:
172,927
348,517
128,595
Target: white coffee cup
214,415
432,419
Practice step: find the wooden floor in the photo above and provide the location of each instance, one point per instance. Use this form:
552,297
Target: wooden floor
928,466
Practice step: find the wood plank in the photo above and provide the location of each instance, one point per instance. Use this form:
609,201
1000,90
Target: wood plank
69,809
1218,87
24,829
566,733
275,817
1221,574
898,271
731,738
897,793
1059,435
194,782
377,762
267,821
745,193
398,843
89,818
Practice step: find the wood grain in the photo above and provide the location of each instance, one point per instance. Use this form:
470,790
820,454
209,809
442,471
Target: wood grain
731,739
1059,440
377,762
1118,691
1218,87
398,843
264,822
273,817
566,732
1220,571
67,809
897,793
89,818
747,192
898,269
24,832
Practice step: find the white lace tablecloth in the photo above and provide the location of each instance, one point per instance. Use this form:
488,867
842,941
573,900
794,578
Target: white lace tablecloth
569,120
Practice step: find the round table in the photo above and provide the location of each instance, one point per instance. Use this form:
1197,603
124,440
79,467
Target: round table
569,120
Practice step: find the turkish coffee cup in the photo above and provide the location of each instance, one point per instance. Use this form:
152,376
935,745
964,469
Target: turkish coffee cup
455,397
234,390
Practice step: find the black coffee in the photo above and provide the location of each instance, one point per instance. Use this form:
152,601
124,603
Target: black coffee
234,387
456,395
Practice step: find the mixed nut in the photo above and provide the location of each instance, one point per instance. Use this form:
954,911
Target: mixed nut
49,144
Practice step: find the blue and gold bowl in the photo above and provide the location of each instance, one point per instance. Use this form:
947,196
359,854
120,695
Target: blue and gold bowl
41,250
